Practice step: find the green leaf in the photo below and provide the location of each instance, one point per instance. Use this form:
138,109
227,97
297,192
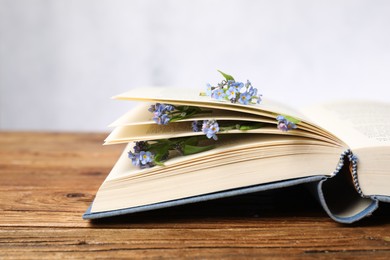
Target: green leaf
160,149
186,112
157,159
292,119
190,149
191,141
226,76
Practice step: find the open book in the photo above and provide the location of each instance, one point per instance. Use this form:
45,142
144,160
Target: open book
342,150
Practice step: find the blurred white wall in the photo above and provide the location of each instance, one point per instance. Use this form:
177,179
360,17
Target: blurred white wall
61,61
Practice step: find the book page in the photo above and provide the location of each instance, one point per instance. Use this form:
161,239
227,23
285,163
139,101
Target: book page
148,132
358,123
192,97
141,116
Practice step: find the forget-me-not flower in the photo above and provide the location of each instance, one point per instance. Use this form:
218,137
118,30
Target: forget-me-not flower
161,113
218,94
232,92
244,98
284,124
210,128
145,157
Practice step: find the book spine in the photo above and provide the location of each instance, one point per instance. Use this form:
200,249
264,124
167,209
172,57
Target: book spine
348,156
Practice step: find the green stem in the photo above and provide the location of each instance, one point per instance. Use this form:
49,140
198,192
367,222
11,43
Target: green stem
227,128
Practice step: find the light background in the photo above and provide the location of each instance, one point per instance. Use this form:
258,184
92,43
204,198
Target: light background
61,61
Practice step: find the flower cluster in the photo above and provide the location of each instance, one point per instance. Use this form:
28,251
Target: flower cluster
209,127
141,157
165,113
162,113
234,91
146,155
156,152
284,124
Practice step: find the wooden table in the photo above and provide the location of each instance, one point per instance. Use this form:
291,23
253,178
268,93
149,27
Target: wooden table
47,181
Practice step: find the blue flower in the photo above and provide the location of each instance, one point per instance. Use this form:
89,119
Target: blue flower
164,119
210,128
232,92
158,109
169,108
244,98
163,108
134,158
161,113
218,94
208,89
212,132
236,85
284,124
259,99
250,89
145,157
141,158
195,126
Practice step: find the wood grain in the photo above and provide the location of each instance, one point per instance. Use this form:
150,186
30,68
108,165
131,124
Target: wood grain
47,181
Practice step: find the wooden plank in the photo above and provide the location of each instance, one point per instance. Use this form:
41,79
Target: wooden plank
216,242
47,181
